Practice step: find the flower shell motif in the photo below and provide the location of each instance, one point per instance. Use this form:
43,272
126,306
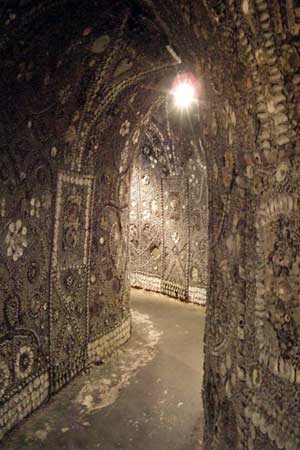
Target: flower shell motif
4,376
16,240
24,362
35,205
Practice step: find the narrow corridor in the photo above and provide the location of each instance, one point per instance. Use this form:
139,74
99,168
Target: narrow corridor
146,397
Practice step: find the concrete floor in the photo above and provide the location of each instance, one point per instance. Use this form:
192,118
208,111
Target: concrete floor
146,397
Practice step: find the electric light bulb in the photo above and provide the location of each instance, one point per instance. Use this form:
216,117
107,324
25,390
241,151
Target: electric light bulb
184,94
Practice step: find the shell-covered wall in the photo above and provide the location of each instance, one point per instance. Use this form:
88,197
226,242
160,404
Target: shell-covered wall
79,82
168,237
67,143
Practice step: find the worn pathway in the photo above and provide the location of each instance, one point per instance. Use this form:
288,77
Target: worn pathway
146,397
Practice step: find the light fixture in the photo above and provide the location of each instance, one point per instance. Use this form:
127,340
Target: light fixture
184,95
185,91
174,55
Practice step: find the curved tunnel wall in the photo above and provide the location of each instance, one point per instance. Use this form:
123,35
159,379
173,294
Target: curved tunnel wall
64,194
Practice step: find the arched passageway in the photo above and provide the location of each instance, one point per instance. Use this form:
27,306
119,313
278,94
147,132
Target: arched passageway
79,84
168,214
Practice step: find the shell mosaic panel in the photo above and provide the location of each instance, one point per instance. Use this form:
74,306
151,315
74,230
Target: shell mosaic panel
72,221
164,222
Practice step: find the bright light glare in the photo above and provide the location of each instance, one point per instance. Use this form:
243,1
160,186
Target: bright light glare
184,94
